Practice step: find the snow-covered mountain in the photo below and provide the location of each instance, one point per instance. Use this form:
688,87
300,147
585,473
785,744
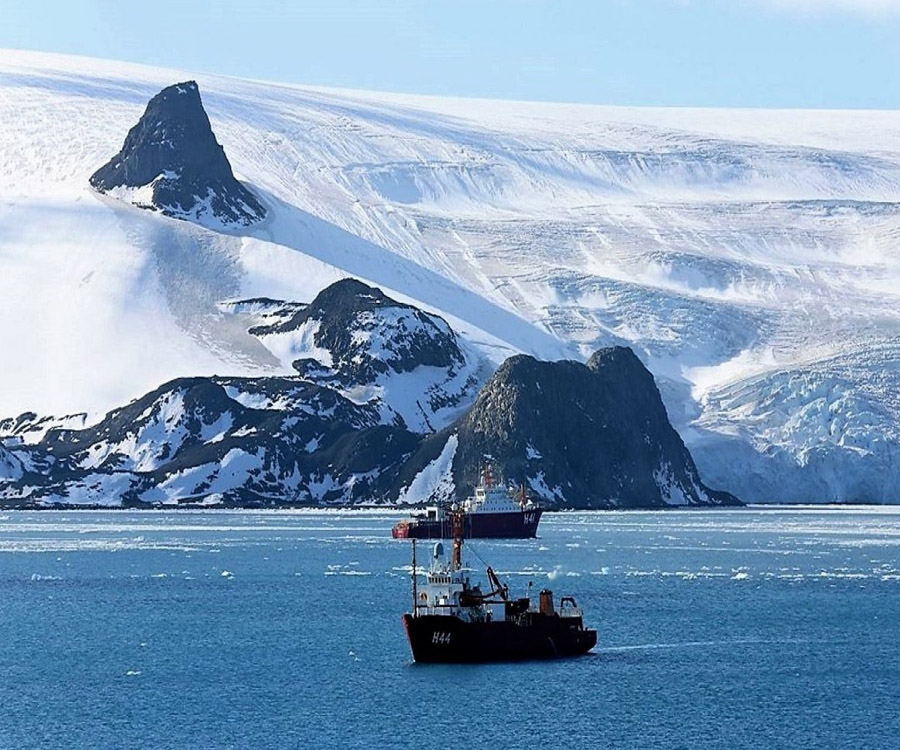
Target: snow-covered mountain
749,258
239,441
332,433
372,349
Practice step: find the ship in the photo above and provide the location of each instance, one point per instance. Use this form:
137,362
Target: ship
494,510
453,621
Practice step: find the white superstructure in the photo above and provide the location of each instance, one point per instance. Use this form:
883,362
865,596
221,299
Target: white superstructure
494,497
446,589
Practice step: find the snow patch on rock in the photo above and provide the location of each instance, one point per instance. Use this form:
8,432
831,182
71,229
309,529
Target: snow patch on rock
435,482
539,486
299,343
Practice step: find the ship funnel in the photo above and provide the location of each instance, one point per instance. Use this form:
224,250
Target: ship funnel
546,602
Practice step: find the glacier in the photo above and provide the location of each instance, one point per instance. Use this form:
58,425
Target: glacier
750,258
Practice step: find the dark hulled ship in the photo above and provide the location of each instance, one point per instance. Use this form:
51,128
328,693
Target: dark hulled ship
454,621
494,510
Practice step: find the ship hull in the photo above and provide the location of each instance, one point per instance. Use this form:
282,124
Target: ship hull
448,639
520,525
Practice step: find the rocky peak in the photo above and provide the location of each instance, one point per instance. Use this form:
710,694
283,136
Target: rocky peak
353,338
362,333
172,163
621,358
594,435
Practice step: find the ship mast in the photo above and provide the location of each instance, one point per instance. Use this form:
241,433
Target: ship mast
457,515
415,597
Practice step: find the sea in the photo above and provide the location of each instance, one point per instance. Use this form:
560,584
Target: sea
749,628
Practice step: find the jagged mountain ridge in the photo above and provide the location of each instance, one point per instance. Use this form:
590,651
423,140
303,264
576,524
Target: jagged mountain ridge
303,440
745,253
336,432
29,428
171,162
244,442
358,341
346,316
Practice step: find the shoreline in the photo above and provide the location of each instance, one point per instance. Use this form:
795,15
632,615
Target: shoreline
401,509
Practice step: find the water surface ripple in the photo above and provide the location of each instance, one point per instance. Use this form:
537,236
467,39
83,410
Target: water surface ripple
718,629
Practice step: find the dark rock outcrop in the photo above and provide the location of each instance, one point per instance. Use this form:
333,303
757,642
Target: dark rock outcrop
171,162
368,334
232,441
10,466
580,436
30,428
353,335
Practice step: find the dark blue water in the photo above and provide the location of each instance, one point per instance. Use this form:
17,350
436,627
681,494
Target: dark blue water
280,630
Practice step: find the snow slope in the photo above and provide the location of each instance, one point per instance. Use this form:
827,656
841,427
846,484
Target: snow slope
749,257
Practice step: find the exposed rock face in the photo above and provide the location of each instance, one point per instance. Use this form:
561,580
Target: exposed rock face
372,373
29,428
10,466
580,436
366,333
246,442
340,432
171,162
354,338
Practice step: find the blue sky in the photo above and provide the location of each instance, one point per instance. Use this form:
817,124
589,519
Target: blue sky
744,53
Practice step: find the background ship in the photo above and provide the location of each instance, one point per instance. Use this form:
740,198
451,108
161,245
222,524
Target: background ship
494,510
453,621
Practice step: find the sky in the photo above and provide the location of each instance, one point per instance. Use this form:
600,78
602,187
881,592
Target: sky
718,53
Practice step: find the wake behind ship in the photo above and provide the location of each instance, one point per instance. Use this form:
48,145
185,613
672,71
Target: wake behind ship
453,621
492,511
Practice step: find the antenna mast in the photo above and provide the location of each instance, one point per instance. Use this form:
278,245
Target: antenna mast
415,597
457,515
